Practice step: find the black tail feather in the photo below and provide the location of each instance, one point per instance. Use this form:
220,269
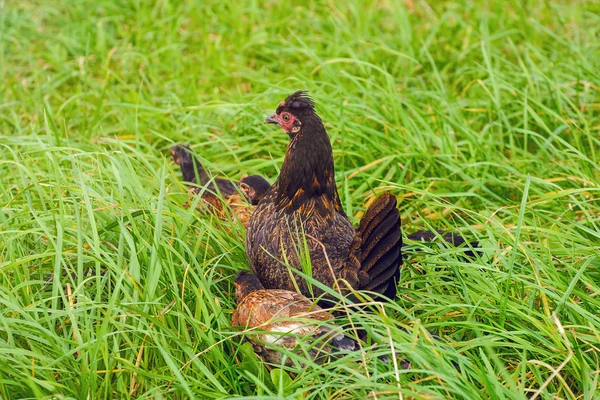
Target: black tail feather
380,248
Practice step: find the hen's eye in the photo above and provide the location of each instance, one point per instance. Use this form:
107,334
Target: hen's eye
285,117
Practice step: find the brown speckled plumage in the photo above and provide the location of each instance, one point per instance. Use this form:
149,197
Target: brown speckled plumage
303,204
280,318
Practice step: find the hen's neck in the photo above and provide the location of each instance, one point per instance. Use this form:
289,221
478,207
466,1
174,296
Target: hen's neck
308,170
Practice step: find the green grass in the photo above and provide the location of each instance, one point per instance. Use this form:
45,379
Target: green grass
485,119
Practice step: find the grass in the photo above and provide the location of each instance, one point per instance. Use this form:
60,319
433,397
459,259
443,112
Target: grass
485,119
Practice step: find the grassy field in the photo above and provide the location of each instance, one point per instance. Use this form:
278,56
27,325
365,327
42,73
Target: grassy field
483,119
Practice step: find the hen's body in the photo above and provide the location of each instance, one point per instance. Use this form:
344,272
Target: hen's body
326,236
301,218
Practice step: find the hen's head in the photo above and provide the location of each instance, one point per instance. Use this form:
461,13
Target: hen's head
293,112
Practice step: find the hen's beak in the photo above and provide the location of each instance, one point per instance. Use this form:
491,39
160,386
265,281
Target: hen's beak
272,119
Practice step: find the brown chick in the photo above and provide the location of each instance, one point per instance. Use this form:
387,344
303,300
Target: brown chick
283,320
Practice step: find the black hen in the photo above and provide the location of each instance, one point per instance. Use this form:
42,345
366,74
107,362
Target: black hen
301,216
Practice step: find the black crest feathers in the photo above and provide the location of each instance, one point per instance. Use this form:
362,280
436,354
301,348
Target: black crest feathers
297,102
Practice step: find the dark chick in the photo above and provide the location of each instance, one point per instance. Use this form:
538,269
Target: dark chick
254,188
239,197
193,172
284,319
303,204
